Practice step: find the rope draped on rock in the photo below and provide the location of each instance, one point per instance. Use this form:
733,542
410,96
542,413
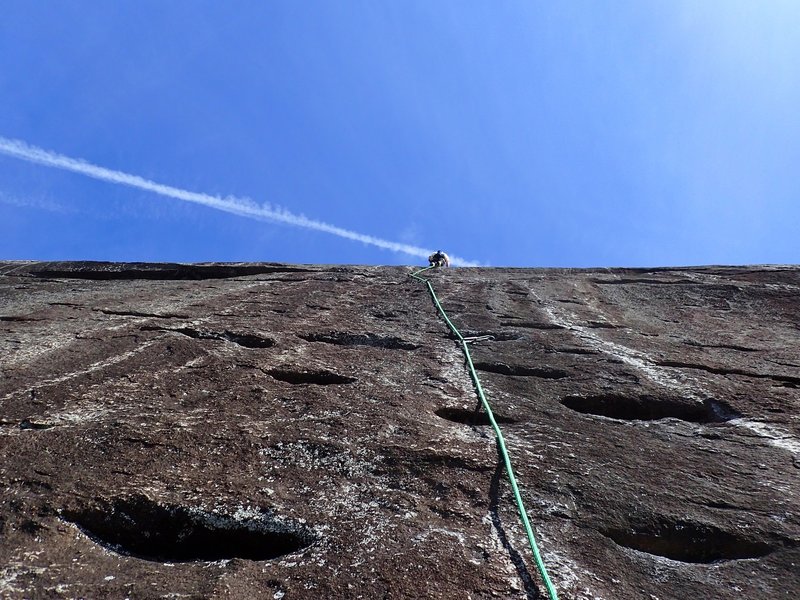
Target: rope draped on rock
498,435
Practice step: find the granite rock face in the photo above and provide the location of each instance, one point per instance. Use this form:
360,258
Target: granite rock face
277,431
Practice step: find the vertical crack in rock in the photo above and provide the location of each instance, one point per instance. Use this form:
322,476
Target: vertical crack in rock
688,542
163,533
651,408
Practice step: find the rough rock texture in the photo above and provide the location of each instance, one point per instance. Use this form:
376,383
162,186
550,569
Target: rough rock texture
275,431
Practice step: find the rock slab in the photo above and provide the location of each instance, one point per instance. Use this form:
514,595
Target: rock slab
300,431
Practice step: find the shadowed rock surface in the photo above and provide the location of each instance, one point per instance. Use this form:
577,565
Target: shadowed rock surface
277,431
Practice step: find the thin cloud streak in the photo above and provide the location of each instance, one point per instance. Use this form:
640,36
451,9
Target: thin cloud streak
37,203
238,206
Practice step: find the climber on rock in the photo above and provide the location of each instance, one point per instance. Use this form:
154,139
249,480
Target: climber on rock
439,259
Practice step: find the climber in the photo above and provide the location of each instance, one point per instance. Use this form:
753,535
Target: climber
439,259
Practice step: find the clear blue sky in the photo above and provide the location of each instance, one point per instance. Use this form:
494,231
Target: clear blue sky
530,133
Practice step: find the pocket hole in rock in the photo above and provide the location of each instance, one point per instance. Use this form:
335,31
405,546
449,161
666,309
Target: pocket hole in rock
247,340
688,542
650,408
144,529
470,417
28,424
319,377
343,338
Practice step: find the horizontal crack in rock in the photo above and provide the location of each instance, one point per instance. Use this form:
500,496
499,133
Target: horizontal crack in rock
602,325
136,313
722,346
788,380
531,325
156,271
624,281
520,371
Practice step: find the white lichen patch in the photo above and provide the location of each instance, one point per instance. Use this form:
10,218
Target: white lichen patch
457,535
38,344
773,435
10,573
570,579
92,368
78,415
309,455
637,359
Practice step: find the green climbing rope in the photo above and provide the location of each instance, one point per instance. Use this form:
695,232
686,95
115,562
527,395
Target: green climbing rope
498,434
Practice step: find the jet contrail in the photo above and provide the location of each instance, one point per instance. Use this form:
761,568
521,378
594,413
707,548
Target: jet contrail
238,206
